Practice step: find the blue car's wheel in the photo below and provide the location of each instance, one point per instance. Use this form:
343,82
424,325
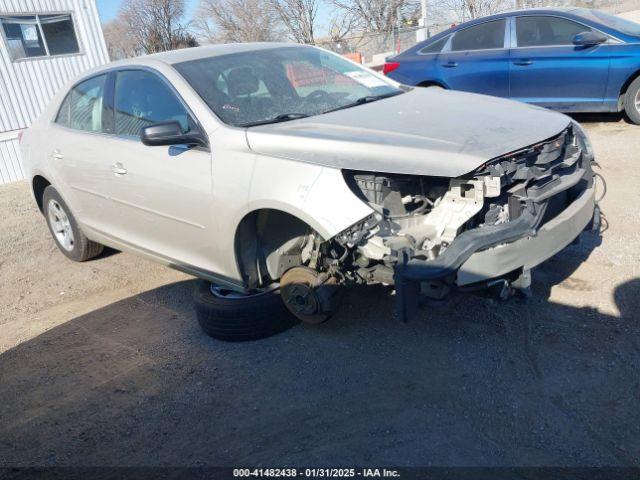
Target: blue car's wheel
632,101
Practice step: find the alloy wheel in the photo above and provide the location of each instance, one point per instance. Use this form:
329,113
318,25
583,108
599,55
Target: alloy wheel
60,225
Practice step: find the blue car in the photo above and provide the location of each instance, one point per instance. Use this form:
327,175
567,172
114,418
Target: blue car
572,60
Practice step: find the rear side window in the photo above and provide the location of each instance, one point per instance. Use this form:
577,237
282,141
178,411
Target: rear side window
480,37
435,47
142,99
83,109
545,31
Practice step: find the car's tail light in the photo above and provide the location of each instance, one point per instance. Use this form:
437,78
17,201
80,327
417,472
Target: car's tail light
20,133
390,67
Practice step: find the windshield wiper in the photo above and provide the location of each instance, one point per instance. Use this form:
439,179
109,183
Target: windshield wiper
363,100
280,118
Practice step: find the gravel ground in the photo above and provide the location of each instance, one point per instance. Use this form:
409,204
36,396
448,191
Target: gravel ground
103,364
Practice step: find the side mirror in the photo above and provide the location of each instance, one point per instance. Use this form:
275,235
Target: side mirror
169,133
589,39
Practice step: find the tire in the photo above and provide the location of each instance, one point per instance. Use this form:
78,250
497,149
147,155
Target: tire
431,85
632,101
65,230
240,319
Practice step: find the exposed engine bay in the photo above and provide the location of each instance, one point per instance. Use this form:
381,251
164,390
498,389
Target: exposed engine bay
416,214
424,228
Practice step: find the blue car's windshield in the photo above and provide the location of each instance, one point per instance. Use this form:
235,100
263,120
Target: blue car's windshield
617,23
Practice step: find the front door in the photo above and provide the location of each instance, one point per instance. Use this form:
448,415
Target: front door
161,196
549,70
476,60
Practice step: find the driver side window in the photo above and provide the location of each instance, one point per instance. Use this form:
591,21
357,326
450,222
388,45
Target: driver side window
547,31
142,98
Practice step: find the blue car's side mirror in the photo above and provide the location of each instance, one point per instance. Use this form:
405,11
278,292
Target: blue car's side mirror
589,39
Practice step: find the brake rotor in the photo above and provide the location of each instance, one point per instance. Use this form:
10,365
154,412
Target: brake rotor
308,294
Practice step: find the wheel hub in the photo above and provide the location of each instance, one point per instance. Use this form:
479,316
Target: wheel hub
60,225
308,294
301,300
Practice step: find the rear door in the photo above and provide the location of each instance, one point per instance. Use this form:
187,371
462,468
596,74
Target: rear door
547,69
476,59
78,134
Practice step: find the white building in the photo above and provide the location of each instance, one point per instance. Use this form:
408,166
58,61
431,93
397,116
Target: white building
43,44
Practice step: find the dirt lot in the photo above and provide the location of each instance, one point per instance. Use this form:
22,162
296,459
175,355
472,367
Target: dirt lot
103,363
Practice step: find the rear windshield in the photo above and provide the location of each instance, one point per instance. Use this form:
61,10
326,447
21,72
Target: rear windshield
612,21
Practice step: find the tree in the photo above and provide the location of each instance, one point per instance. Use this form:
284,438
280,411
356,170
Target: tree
378,15
120,42
341,27
463,10
238,21
298,17
155,25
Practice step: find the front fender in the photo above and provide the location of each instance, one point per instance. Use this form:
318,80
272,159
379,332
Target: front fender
319,196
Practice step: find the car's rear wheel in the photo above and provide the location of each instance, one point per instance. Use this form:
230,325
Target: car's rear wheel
65,230
235,317
431,85
632,101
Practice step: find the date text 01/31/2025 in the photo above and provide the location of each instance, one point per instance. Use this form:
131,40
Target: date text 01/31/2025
316,473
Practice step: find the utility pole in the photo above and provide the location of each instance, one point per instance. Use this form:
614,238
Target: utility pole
422,33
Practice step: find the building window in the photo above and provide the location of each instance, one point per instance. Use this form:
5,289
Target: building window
39,35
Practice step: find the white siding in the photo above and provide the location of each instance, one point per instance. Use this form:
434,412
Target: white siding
10,166
27,85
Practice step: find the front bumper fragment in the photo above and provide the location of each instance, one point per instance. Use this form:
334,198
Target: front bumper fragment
485,253
531,251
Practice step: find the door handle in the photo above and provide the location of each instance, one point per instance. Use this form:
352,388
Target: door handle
118,169
57,154
523,63
450,64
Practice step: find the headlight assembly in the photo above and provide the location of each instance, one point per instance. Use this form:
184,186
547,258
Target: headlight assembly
582,138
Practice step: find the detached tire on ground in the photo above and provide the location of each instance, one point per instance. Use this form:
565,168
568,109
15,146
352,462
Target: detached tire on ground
235,318
632,101
65,230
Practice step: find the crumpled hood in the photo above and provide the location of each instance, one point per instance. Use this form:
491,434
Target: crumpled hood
427,131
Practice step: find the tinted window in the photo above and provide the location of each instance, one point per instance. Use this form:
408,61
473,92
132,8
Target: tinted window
435,47
143,98
23,37
257,86
25,33
541,31
83,108
59,34
480,37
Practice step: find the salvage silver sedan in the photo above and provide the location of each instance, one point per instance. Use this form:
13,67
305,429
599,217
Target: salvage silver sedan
280,173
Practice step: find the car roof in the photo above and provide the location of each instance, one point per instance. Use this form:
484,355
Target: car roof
196,53
519,11
184,55
572,13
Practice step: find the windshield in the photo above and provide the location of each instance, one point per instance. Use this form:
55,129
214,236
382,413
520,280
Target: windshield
281,84
617,23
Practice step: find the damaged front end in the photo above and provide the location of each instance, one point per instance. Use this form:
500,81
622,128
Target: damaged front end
431,234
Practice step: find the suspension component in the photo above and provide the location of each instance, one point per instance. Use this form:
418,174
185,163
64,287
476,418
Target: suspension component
310,295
